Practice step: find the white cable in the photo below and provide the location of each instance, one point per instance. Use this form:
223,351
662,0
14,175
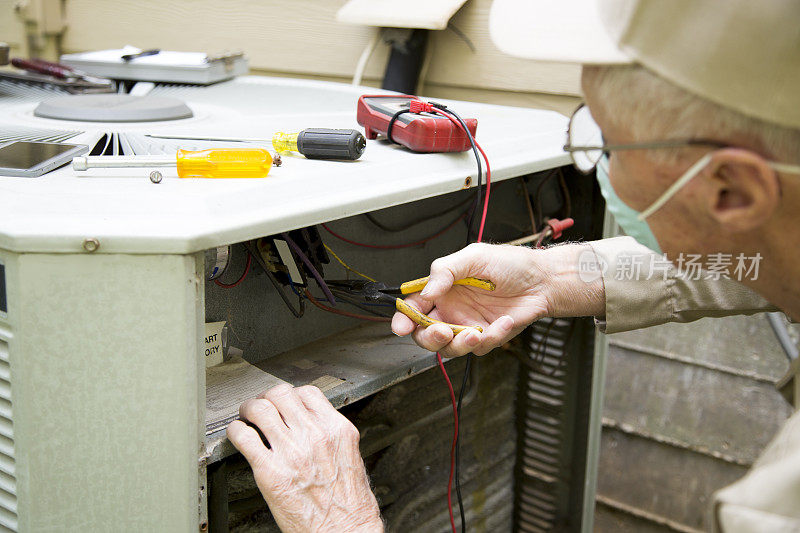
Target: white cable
361,66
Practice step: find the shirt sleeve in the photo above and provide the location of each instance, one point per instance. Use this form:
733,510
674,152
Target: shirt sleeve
643,289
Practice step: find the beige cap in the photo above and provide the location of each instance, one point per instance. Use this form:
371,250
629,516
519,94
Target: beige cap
742,54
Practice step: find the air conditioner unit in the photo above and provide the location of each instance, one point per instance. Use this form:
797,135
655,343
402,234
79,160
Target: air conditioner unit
102,377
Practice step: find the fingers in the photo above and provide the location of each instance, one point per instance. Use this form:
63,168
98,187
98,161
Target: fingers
285,399
495,334
446,270
266,417
315,401
248,442
469,340
462,344
434,337
401,324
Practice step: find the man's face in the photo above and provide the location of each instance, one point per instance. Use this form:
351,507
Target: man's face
639,182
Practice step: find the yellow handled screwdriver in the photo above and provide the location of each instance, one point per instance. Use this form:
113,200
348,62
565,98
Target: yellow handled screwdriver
213,163
374,291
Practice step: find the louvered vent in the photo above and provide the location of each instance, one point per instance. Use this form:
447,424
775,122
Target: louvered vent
127,143
17,92
11,133
552,418
8,482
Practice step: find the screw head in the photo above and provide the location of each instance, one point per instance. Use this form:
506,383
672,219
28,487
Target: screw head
156,176
91,244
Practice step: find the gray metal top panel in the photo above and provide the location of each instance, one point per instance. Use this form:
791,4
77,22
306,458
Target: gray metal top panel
127,213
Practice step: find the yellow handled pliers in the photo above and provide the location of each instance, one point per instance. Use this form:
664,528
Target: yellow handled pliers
375,291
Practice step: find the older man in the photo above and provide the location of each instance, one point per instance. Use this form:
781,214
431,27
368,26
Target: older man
697,102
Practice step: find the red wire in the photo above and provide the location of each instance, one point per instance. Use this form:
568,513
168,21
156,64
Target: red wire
241,279
344,313
395,246
453,446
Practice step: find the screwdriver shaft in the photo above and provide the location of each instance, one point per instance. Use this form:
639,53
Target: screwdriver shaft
122,161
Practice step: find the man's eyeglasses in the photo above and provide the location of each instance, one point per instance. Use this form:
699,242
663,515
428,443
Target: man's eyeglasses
586,146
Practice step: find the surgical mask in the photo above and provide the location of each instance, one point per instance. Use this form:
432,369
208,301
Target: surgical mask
628,219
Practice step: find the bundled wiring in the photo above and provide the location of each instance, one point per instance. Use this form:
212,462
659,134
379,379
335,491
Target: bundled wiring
241,278
307,262
343,313
420,242
345,298
345,265
369,308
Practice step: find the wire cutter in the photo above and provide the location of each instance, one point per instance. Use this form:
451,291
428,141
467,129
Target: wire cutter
375,291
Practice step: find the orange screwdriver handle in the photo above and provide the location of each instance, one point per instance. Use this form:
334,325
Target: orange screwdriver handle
224,163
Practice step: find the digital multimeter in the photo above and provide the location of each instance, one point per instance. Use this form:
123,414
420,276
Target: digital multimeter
421,132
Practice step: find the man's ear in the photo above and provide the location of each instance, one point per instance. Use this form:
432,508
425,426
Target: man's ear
745,189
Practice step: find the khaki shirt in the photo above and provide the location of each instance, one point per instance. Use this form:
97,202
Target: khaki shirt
767,498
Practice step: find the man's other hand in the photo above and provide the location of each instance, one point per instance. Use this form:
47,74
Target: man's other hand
311,475
530,284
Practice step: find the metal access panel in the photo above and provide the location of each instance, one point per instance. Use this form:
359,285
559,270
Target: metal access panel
100,392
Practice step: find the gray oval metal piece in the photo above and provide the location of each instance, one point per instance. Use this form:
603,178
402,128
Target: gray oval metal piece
113,108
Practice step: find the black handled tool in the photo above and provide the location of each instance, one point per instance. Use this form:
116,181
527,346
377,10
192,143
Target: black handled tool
322,143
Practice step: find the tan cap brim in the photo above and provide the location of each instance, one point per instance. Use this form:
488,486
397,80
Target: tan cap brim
553,30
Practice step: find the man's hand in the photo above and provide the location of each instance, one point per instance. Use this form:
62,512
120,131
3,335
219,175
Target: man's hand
312,476
530,284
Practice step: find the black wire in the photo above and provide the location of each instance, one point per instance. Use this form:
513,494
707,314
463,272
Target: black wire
458,443
479,192
539,212
468,364
391,123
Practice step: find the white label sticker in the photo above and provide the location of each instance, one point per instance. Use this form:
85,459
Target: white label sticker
214,343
